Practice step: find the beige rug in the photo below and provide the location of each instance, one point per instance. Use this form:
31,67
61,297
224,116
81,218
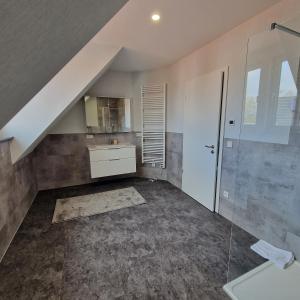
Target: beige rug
94,204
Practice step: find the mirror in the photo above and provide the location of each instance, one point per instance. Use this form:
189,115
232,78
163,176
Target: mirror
107,115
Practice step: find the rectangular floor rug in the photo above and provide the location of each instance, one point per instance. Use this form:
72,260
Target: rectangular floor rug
94,204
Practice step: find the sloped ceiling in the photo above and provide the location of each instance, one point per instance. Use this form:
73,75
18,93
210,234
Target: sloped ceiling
32,122
185,25
37,38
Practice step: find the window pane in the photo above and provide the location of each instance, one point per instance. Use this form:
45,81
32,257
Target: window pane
287,96
252,91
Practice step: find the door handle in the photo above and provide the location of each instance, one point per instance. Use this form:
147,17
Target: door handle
210,146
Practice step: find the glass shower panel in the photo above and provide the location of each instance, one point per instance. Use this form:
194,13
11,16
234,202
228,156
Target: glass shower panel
265,203
252,92
287,96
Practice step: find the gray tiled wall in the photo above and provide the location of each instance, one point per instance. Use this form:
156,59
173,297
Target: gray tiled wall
263,181
173,170
17,191
62,159
174,146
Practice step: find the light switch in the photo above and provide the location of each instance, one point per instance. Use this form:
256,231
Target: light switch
226,194
229,144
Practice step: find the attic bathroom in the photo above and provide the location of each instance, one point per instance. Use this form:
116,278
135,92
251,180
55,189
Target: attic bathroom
147,155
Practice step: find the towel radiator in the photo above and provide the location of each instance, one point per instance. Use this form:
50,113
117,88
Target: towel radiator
154,125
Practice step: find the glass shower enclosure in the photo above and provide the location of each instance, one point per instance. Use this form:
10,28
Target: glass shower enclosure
264,161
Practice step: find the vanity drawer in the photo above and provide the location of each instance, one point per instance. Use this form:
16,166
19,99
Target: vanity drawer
113,167
112,153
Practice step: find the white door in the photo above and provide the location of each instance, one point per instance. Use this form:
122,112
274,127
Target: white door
201,137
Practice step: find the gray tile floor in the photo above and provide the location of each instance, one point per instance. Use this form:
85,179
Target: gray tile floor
169,248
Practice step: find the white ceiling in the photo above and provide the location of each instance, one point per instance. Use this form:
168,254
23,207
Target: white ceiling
185,26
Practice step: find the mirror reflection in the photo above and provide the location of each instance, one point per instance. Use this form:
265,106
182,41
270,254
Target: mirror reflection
107,115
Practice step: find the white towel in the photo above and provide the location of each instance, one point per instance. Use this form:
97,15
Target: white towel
281,258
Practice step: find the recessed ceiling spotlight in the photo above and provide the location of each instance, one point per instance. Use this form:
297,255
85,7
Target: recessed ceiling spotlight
155,17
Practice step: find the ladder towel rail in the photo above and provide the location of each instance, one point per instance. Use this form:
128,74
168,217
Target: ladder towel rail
154,124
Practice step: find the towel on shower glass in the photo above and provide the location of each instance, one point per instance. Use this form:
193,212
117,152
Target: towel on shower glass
281,258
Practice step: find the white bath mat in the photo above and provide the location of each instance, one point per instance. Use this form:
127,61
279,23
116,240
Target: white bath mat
93,204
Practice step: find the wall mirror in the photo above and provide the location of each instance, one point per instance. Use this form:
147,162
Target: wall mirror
107,115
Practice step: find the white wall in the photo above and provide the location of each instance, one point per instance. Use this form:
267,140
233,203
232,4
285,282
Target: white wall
72,122
228,50
111,84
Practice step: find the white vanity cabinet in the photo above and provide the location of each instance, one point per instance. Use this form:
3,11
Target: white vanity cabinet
109,160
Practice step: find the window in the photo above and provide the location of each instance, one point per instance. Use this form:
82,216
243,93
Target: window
252,92
287,96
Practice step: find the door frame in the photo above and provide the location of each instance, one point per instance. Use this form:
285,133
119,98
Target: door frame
223,109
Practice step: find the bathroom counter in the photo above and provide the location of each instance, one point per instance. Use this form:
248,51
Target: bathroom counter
110,160
109,146
266,282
